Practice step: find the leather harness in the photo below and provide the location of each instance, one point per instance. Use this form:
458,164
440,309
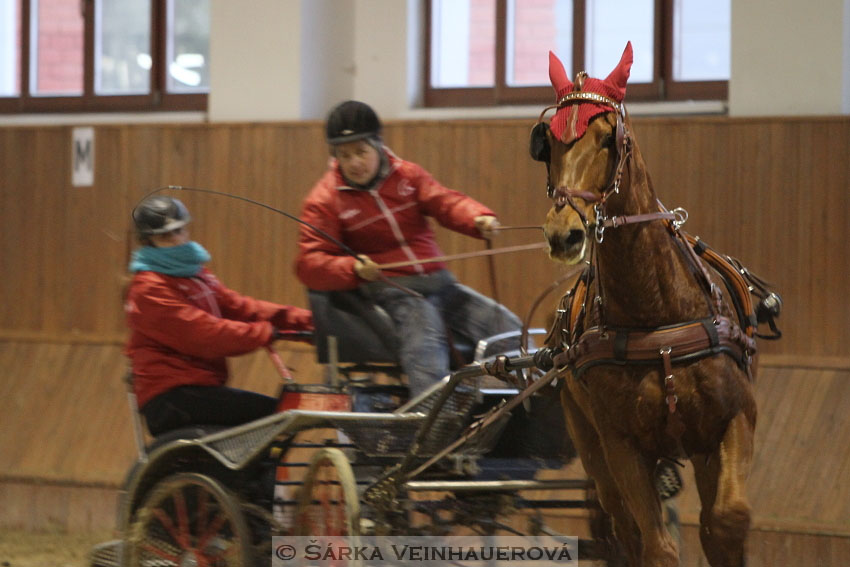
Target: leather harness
669,345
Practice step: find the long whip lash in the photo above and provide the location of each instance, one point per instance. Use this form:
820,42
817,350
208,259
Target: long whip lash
347,249
315,229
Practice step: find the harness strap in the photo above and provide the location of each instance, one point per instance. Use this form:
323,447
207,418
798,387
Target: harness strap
715,296
614,222
687,341
675,425
739,291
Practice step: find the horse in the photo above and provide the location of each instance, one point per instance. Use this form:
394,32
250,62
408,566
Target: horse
658,365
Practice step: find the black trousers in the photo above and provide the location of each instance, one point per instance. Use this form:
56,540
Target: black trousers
185,406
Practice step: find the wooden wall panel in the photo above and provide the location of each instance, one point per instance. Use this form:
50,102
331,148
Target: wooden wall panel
770,191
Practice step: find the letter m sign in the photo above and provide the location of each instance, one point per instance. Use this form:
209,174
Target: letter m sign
82,157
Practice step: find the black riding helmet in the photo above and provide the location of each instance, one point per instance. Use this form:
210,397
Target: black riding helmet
350,121
160,214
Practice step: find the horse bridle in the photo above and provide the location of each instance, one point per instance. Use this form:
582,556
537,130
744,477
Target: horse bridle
563,195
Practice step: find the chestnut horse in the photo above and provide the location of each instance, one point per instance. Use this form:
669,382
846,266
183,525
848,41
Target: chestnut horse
657,364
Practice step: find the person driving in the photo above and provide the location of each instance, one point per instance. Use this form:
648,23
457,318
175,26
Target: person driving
184,323
378,205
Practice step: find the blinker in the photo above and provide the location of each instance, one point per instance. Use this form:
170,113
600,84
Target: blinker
538,145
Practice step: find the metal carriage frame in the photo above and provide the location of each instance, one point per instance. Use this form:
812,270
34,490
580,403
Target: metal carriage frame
207,492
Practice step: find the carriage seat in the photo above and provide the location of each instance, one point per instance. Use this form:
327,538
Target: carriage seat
365,334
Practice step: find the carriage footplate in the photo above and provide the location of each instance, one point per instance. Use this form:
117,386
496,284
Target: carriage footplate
668,481
382,502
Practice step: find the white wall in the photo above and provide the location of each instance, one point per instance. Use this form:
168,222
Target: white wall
789,57
381,44
845,62
301,57
328,56
255,60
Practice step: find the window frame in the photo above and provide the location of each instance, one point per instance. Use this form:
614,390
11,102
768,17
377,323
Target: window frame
662,88
158,99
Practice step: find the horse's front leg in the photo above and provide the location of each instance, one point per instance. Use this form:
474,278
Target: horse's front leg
634,478
721,482
586,441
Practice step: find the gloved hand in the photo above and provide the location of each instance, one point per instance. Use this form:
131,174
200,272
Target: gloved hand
487,225
366,269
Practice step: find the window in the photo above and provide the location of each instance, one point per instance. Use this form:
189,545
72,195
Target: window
101,55
489,52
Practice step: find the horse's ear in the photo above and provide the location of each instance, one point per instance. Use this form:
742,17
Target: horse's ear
538,145
561,83
620,75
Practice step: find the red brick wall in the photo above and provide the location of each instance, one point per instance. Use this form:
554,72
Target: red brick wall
534,36
60,47
482,41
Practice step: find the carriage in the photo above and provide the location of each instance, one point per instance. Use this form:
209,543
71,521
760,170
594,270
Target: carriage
481,452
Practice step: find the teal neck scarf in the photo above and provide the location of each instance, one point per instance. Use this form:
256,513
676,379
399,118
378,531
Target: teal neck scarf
184,261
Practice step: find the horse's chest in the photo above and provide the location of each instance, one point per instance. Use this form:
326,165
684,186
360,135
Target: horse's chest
628,400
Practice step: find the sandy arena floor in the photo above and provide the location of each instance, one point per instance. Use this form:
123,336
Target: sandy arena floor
47,549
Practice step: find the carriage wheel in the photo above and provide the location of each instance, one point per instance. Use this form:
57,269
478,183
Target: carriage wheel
328,503
189,519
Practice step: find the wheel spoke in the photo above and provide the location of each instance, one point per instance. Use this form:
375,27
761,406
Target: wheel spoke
217,524
182,519
325,501
203,495
166,522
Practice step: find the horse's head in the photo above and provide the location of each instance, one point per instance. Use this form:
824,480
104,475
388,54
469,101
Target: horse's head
584,147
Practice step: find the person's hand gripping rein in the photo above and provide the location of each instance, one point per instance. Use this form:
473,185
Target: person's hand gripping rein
366,269
487,225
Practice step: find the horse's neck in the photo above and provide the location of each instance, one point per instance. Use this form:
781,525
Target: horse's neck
644,278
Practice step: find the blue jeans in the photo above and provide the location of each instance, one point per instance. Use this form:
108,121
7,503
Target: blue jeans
422,324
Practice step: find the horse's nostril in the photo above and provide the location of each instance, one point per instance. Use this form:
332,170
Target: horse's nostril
574,237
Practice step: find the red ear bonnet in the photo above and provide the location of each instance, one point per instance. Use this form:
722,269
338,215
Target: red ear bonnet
570,122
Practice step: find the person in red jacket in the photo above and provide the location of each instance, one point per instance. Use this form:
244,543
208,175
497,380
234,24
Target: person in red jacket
378,205
184,324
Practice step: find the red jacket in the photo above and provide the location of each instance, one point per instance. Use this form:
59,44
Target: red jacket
183,328
388,223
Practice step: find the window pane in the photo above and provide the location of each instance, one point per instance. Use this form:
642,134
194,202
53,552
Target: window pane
10,48
57,52
534,28
463,43
701,40
610,24
188,46
122,47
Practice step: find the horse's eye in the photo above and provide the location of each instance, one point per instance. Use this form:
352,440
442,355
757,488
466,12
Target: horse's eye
608,140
